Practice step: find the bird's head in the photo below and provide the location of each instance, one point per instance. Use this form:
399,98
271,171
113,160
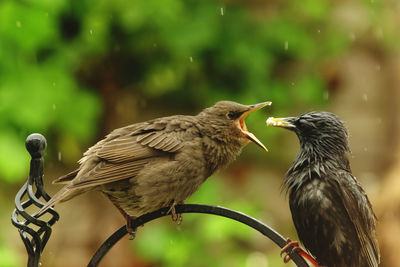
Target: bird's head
317,129
226,120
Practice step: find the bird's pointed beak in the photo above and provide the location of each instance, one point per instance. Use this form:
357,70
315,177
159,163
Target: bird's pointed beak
243,127
281,122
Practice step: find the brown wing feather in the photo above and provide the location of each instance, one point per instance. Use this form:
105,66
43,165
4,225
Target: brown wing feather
122,154
125,149
66,178
107,173
364,226
144,144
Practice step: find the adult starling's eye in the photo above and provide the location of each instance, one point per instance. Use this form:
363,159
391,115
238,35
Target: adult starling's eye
233,115
305,124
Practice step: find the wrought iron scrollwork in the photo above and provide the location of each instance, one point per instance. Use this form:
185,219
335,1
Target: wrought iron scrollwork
34,232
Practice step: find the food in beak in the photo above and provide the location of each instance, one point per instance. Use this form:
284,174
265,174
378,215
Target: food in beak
279,122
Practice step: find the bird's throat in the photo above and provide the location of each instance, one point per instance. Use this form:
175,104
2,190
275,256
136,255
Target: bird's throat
218,155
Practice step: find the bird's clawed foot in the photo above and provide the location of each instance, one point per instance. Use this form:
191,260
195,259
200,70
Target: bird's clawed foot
295,248
131,230
176,217
290,244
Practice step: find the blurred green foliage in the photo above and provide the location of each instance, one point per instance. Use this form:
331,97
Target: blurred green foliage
191,53
8,257
38,88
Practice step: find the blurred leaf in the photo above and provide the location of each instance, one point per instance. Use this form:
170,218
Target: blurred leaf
14,159
146,245
80,118
313,9
8,257
24,29
309,89
221,229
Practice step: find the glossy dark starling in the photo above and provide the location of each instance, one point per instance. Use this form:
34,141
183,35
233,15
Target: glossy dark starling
330,210
145,166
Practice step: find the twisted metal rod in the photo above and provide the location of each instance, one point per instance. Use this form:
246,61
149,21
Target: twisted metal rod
32,191
195,208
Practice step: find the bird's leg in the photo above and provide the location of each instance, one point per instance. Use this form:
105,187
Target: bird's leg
175,217
131,231
296,249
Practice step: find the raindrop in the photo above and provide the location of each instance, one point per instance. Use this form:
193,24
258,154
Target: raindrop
191,59
378,67
365,97
91,32
222,11
292,83
59,156
54,83
18,23
326,95
318,31
286,45
365,149
54,106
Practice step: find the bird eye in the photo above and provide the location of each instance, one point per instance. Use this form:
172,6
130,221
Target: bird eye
233,115
304,123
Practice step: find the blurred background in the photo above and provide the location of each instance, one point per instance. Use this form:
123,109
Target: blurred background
74,70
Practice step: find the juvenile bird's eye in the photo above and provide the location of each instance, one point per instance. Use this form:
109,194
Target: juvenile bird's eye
233,115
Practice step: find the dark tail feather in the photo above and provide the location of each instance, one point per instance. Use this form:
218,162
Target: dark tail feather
66,178
59,196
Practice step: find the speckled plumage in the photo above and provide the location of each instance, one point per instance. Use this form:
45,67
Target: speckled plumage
330,210
149,165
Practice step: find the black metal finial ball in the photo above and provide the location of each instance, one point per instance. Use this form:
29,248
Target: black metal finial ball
36,145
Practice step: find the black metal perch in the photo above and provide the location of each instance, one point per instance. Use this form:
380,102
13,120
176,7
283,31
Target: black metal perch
35,233
195,208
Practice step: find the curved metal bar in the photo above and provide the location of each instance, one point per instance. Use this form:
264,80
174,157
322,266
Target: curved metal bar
195,208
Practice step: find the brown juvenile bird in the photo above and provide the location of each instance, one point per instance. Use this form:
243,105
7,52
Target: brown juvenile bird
145,166
330,210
